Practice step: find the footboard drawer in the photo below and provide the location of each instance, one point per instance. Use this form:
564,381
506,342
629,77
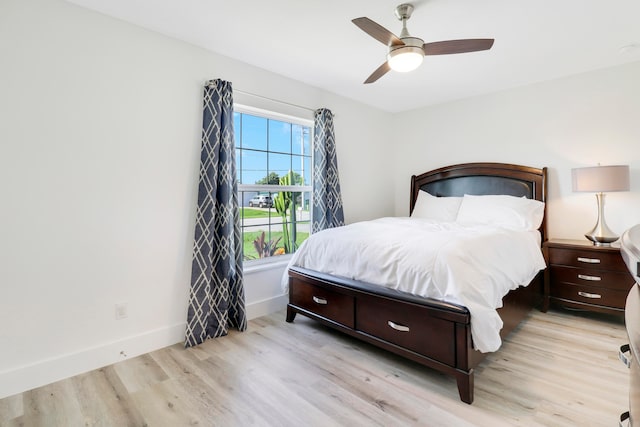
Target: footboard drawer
407,325
323,302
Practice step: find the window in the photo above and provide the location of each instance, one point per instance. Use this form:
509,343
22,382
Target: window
273,159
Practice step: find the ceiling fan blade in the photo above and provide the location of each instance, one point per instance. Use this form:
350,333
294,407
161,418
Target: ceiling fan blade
379,72
378,32
456,46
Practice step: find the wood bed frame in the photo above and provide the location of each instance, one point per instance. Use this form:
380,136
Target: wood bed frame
433,333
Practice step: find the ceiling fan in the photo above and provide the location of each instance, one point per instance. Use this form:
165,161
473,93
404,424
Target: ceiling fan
407,52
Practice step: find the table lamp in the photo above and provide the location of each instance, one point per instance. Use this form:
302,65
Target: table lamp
600,180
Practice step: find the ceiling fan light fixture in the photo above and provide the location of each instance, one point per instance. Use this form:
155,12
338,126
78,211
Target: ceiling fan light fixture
405,58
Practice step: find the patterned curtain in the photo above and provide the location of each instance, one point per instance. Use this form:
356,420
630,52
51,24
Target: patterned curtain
327,201
216,300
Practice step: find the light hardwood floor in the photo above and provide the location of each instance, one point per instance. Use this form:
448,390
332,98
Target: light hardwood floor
556,369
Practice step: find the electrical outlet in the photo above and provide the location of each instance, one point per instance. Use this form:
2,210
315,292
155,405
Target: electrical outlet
122,311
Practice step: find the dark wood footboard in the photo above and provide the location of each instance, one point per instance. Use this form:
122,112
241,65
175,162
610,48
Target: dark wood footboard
433,333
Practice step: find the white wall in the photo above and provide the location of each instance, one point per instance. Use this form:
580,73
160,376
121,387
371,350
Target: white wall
562,124
100,136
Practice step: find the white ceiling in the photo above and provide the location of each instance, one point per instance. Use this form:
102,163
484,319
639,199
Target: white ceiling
314,41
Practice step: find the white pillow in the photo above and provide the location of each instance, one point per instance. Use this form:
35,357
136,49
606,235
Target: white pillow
444,209
518,213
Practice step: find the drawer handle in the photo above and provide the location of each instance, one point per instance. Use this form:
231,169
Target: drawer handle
591,278
589,260
625,421
319,300
398,327
588,295
625,355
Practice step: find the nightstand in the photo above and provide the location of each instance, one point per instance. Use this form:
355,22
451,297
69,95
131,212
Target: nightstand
580,275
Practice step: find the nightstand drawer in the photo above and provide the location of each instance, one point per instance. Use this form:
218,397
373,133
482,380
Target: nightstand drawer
590,295
330,305
591,277
587,259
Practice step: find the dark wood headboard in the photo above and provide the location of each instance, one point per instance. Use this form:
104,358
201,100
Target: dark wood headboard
483,179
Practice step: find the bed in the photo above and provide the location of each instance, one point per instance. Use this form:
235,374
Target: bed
432,332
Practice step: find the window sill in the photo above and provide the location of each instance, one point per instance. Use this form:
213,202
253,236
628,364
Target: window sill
264,265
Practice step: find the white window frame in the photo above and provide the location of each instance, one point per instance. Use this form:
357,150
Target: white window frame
271,188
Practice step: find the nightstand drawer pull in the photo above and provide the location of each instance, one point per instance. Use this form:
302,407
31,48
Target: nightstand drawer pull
589,260
319,300
590,278
398,327
589,295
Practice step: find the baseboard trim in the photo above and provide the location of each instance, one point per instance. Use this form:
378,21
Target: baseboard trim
46,371
64,366
267,306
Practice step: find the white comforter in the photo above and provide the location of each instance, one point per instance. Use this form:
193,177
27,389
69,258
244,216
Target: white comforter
470,265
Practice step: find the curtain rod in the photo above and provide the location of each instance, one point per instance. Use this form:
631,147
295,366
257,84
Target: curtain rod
275,100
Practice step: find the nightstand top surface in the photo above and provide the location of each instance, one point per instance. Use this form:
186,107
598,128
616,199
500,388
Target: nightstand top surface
582,244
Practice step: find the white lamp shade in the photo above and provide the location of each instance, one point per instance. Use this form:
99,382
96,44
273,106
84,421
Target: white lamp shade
406,58
601,179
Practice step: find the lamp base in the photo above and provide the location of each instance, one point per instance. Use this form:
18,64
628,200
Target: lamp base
601,240
601,235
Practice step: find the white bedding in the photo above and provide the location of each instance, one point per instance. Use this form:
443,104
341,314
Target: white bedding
470,265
